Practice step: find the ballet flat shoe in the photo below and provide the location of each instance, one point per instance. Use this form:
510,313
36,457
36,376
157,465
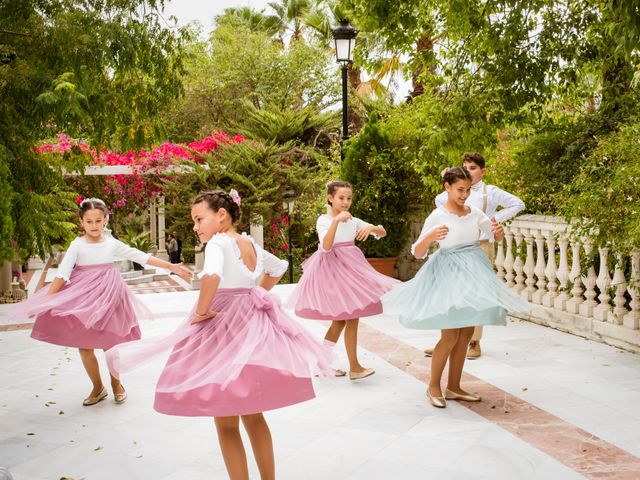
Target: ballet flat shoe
471,397
338,372
93,400
438,402
367,372
120,397
428,352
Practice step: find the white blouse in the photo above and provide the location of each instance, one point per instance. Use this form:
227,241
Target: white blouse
496,197
346,231
81,252
462,229
222,258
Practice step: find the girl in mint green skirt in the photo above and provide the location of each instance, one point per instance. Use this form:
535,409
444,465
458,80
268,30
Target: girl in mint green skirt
456,289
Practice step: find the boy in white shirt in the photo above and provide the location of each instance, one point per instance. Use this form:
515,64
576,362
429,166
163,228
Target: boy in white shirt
488,198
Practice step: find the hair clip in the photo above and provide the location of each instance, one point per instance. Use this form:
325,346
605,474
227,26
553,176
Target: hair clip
235,196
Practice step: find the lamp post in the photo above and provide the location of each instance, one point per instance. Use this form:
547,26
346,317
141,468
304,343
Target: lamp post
345,40
288,204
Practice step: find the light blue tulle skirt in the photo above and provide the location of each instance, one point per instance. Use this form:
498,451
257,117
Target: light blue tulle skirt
455,288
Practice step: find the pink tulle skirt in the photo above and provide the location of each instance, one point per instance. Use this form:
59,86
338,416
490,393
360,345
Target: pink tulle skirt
339,284
250,358
94,310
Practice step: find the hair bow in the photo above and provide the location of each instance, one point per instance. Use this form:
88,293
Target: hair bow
235,196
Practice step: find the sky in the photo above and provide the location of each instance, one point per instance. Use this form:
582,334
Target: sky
204,11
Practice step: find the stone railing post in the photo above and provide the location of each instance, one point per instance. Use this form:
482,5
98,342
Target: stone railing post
551,270
589,281
500,261
529,265
573,304
518,265
541,263
632,319
620,285
508,259
603,281
563,274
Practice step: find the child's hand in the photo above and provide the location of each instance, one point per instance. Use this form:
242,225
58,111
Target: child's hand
497,229
438,233
197,318
181,271
364,232
343,217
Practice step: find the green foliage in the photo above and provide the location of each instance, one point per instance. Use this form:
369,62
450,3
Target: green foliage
259,171
382,180
604,196
141,241
100,70
238,69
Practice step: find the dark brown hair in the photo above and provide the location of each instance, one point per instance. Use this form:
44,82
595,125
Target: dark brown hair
92,204
453,174
217,199
334,185
474,157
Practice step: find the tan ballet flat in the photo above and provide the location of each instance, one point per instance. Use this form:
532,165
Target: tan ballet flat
93,400
367,372
470,397
340,373
438,402
120,397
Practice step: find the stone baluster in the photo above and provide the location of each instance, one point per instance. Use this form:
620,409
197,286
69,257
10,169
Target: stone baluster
589,282
603,281
573,304
560,301
500,261
551,271
541,264
529,266
153,221
518,264
508,259
632,319
162,251
198,266
620,284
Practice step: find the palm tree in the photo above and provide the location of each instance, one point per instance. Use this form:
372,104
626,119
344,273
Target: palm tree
256,21
291,14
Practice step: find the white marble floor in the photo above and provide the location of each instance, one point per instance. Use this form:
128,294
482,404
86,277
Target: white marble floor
378,428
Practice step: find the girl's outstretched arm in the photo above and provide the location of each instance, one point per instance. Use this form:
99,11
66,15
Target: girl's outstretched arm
176,268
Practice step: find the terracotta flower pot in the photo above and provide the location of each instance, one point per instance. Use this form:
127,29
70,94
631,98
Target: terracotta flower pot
386,266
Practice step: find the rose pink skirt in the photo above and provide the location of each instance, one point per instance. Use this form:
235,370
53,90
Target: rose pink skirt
250,358
339,284
95,309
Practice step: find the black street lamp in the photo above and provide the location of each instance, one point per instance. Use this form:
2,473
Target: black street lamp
288,204
345,40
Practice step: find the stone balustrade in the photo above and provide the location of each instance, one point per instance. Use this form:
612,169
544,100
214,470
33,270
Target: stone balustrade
574,285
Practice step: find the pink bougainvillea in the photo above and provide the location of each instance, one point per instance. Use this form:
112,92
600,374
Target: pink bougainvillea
146,180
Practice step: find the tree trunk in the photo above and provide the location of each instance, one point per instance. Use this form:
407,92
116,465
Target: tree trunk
424,45
356,122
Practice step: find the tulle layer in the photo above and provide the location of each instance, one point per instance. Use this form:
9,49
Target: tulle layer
455,288
95,309
249,358
339,284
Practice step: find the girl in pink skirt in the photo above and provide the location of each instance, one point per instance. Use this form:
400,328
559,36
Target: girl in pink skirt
237,353
88,305
338,283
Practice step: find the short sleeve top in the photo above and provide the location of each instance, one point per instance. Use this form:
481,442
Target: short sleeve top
346,231
81,252
222,258
462,229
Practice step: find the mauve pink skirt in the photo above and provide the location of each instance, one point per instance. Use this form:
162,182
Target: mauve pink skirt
250,358
95,309
339,284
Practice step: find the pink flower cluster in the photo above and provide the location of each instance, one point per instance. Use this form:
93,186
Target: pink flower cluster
138,188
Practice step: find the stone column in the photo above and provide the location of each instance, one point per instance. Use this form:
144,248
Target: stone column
162,251
153,222
5,277
256,230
